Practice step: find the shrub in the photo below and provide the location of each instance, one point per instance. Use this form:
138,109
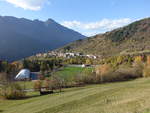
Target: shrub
138,66
88,61
37,85
148,60
12,91
146,71
56,82
3,78
119,75
128,73
47,83
41,77
85,77
138,59
106,73
112,77
103,72
79,79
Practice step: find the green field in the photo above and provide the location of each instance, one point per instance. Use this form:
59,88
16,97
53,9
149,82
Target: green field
69,73
66,73
123,97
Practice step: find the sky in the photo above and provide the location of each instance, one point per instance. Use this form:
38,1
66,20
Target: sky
88,17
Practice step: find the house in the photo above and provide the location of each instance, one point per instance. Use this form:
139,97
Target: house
85,65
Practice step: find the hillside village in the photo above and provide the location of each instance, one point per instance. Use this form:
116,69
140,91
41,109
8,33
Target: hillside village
66,55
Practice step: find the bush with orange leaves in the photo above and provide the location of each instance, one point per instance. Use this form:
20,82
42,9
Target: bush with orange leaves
103,73
37,85
47,83
148,60
12,91
138,59
106,73
138,65
146,70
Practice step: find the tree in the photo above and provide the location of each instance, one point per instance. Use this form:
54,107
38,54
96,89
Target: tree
12,91
47,83
0,66
37,85
25,64
148,60
88,61
103,71
56,82
43,67
138,59
3,78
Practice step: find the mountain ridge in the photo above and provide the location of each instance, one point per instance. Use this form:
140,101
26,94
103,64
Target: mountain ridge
31,37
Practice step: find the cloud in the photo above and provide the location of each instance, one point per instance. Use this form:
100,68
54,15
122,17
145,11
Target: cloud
72,24
97,27
28,4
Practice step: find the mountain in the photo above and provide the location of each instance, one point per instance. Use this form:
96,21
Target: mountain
131,39
20,37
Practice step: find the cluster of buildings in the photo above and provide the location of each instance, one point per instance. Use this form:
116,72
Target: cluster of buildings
65,55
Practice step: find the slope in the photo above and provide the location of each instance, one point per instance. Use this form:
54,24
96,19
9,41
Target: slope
123,97
131,38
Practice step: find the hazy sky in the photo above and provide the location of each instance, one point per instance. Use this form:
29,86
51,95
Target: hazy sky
86,16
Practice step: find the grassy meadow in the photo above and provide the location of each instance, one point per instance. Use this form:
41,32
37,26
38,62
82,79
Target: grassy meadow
66,73
69,73
122,97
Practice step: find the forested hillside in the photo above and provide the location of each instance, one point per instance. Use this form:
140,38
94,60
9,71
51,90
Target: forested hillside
131,39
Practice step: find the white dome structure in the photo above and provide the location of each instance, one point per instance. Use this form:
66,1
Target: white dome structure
23,74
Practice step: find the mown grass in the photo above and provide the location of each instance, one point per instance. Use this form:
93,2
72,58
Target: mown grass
122,97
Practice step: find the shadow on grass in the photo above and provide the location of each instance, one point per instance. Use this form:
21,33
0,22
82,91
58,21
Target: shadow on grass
30,96
26,97
1,111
